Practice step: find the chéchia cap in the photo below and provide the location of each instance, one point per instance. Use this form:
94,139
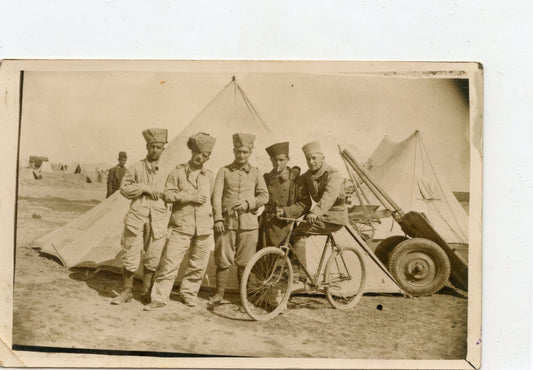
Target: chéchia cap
242,139
277,149
201,142
155,135
122,155
311,148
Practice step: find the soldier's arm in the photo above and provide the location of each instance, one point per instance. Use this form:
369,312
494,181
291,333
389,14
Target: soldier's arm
330,195
303,200
172,192
130,188
261,193
216,198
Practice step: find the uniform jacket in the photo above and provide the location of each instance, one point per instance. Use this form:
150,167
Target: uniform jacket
234,185
326,188
143,208
190,218
114,177
285,190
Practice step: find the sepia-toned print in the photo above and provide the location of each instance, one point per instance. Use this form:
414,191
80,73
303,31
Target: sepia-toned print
298,211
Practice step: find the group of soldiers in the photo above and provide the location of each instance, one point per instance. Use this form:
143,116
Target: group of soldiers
225,205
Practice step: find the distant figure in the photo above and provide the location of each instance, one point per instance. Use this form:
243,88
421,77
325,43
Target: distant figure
115,175
145,224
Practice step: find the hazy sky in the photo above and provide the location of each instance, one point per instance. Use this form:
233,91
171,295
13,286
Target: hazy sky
91,116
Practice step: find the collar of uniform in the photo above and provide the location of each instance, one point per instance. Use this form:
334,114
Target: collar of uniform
188,170
318,174
245,167
283,175
152,167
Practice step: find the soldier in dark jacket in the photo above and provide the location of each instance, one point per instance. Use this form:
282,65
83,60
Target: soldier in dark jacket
115,175
284,191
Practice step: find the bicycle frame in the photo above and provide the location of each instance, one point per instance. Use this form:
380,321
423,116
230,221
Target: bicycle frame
286,246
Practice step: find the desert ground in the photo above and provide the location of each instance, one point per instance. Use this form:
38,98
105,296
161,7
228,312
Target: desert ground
70,308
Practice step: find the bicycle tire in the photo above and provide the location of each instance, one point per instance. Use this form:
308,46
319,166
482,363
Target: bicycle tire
345,278
266,284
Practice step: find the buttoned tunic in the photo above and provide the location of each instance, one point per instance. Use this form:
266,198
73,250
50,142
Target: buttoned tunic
143,208
284,191
326,188
190,218
238,184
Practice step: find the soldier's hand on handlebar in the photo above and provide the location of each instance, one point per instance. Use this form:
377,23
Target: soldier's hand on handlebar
219,227
280,212
312,218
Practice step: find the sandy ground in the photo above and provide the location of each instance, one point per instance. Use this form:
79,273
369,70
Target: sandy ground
58,307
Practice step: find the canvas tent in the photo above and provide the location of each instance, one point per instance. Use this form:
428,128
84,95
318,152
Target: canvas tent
405,171
93,239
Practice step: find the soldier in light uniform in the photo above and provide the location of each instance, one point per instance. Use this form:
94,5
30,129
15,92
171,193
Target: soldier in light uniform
147,218
325,185
115,175
284,191
238,192
188,189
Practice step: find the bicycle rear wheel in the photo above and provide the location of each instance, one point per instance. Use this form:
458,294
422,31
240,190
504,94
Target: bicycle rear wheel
344,277
266,284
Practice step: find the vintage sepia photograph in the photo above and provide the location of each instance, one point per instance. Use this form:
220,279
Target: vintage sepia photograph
286,210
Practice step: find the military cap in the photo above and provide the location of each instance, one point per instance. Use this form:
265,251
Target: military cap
311,148
122,155
155,135
242,139
277,149
201,142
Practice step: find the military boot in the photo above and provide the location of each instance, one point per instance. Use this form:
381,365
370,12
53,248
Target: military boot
221,281
126,295
146,289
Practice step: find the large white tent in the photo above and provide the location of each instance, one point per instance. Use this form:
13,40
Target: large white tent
93,239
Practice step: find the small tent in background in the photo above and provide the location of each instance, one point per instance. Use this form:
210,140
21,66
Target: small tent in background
93,239
46,167
405,171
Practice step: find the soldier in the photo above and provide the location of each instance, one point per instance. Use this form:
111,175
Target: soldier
284,191
147,219
188,188
115,175
238,192
325,185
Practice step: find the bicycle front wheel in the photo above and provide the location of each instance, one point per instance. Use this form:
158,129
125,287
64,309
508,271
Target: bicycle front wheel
345,278
266,284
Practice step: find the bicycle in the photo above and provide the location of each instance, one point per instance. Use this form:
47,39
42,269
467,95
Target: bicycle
267,280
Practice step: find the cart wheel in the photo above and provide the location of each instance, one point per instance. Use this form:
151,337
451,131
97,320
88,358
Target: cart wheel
386,246
266,284
420,266
345,278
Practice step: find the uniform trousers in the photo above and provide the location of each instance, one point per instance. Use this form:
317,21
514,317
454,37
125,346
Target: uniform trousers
132,247
175,248
235,247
